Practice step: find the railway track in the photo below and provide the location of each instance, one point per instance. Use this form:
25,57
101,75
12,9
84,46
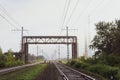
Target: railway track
68,73
7,70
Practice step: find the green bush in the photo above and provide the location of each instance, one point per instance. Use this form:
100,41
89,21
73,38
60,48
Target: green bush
19,62
84,65
113,59
118,75
72,62
104,70
8,60
2,64
77,64
91,60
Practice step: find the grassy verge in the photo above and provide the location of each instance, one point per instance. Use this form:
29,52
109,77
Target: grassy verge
28,73
49,73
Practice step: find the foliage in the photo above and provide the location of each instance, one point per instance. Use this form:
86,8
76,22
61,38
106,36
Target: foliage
72,62
82,58
118,75
33,58
106,44
2,62
104,70
77,65
85,65
112,59
28,73
0,53
107,38
91,60
105,65
9,59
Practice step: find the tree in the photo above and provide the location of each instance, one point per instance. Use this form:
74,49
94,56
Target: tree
2,59
107,39
9,58
1,54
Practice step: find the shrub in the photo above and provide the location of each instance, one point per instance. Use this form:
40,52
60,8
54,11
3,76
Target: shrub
104,70
2,64
19,62
118,76
72,62
91,60
113,60
84,65
77,64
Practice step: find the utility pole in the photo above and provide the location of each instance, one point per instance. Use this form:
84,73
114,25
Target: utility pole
87,38
67,44
86,49
54,55
67,29
22,34
89,35
37,51
41,52
22,42
59,52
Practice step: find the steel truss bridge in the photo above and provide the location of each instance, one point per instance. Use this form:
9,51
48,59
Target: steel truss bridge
26,40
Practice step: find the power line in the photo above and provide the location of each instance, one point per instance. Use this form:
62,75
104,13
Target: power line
8,15
7,20
98,6
83,10
66,12
73,11
22,34
63,13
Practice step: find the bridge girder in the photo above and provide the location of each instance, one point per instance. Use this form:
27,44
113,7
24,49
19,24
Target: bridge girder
49,40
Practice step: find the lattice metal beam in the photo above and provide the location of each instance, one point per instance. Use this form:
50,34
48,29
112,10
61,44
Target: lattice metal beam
49,40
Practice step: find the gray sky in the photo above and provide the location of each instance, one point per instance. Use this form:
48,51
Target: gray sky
45,17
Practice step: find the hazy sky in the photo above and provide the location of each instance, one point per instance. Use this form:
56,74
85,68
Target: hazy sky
45,17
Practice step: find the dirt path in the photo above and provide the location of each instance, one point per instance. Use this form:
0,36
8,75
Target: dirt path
50,73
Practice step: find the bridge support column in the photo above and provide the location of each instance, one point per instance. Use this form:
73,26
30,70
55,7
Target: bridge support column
75,54
26,52
74,51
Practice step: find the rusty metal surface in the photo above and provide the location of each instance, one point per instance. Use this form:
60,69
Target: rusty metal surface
48,40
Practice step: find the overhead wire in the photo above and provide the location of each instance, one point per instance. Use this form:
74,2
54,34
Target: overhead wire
16,24
65,15
83,10
80,14
98,6
7,20
8,17
6,12
77,2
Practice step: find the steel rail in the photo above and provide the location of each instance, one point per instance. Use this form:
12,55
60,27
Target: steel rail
82,74
85,76
61,73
